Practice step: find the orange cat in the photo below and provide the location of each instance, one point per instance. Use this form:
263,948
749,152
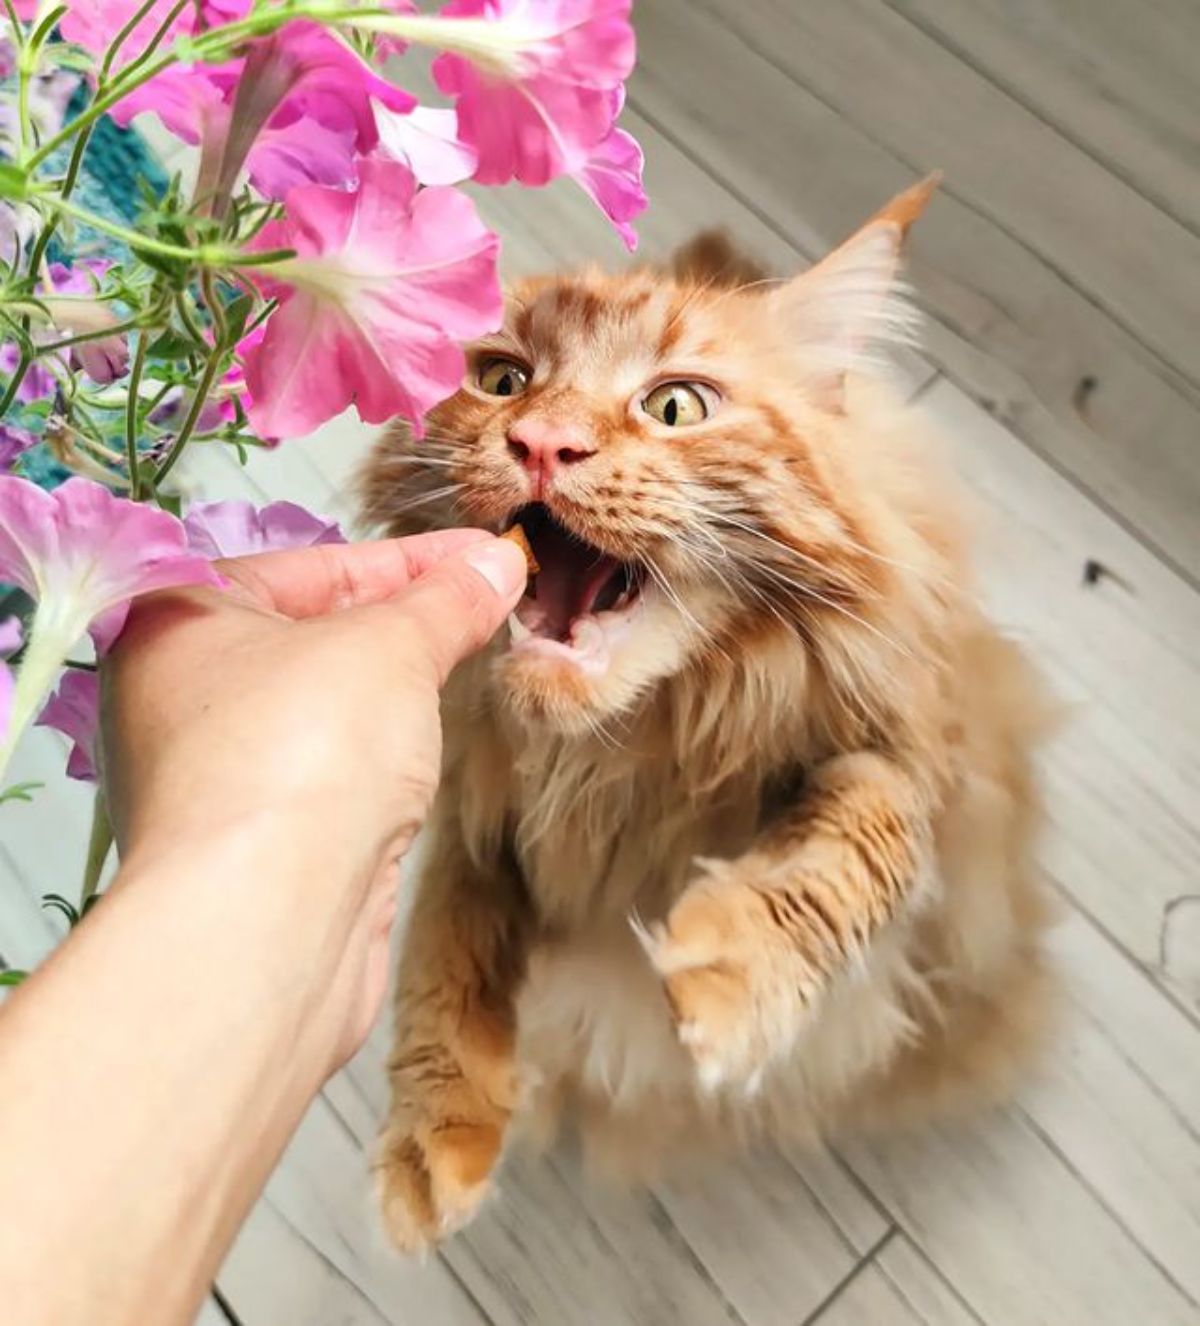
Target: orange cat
736,824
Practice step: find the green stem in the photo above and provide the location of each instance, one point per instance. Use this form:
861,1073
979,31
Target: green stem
130,237
122,36
185,316
68,186
18,30
49,640
193,414
14,383
100,841
116,329
131,416
24,122
195,50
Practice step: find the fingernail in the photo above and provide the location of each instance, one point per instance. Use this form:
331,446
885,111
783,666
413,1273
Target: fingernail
500,563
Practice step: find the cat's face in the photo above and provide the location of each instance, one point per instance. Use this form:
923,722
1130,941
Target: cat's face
663,441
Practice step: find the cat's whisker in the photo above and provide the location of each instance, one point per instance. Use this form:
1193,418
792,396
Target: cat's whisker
436,495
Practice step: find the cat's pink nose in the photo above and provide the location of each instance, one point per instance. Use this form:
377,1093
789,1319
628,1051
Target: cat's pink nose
543,447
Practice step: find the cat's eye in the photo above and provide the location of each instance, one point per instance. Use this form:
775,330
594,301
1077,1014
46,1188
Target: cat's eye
503,377
677,404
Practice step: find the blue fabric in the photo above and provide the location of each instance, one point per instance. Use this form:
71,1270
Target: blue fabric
115,160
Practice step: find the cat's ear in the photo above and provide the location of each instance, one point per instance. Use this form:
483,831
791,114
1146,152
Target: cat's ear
851,302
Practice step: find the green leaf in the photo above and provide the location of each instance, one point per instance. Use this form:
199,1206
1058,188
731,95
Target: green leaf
12,976
70,57
14,182
19,792
171,344
56,902
172,502
237,311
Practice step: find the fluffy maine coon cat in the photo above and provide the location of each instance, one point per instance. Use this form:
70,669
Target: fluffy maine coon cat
735,832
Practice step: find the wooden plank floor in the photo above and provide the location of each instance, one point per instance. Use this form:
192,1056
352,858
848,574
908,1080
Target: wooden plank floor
1060,271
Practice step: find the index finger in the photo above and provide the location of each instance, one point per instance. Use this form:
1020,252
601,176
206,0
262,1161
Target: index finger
308,582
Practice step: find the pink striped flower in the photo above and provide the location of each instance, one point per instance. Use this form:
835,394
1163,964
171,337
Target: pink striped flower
81,554
534,80
386,282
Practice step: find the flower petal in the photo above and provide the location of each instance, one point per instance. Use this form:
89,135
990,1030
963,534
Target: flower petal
385,281
427,142
74,710
611,175
236,528
85,553
10,639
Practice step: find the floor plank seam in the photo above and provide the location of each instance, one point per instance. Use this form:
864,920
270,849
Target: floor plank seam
1089,494
467,1292
671,1231
225,1308
330,1265
1177,1002
948,1285
1109,164
1102,1202
919,169
852,1274
891,1217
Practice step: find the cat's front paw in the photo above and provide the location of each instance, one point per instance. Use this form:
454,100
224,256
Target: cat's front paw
738,992
435,1159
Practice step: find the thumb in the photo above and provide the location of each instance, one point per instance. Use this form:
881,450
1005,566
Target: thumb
459,604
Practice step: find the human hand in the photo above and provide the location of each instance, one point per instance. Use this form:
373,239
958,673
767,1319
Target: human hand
298,709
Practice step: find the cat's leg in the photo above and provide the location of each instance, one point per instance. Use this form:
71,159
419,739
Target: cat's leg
453,1079
747,950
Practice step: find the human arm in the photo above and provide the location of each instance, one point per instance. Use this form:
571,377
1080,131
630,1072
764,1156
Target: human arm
270,753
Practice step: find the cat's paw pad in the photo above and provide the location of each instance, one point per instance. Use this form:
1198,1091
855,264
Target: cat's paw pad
432,1175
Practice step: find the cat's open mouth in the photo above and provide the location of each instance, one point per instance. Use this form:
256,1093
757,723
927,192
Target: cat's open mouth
580,599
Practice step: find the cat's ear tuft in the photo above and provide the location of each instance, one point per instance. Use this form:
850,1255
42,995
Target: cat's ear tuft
852,303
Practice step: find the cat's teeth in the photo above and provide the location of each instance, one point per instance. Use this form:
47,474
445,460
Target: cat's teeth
518,628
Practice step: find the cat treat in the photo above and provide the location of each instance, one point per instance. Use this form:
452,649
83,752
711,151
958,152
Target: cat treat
515,534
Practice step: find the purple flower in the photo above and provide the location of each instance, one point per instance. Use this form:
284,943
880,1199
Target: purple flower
82,554
13,442
74,710
233,529
38,382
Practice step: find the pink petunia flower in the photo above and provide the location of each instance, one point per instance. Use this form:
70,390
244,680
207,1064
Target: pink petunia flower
69,301
387,280
81,554
426,141
610,173
534,81
73,308
10,639
93,24
236,528
38,382
74,710
296,108
14,442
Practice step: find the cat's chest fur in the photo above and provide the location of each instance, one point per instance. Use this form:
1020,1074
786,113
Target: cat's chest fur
598,834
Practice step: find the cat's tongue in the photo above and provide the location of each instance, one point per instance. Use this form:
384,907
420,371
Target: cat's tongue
570,576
